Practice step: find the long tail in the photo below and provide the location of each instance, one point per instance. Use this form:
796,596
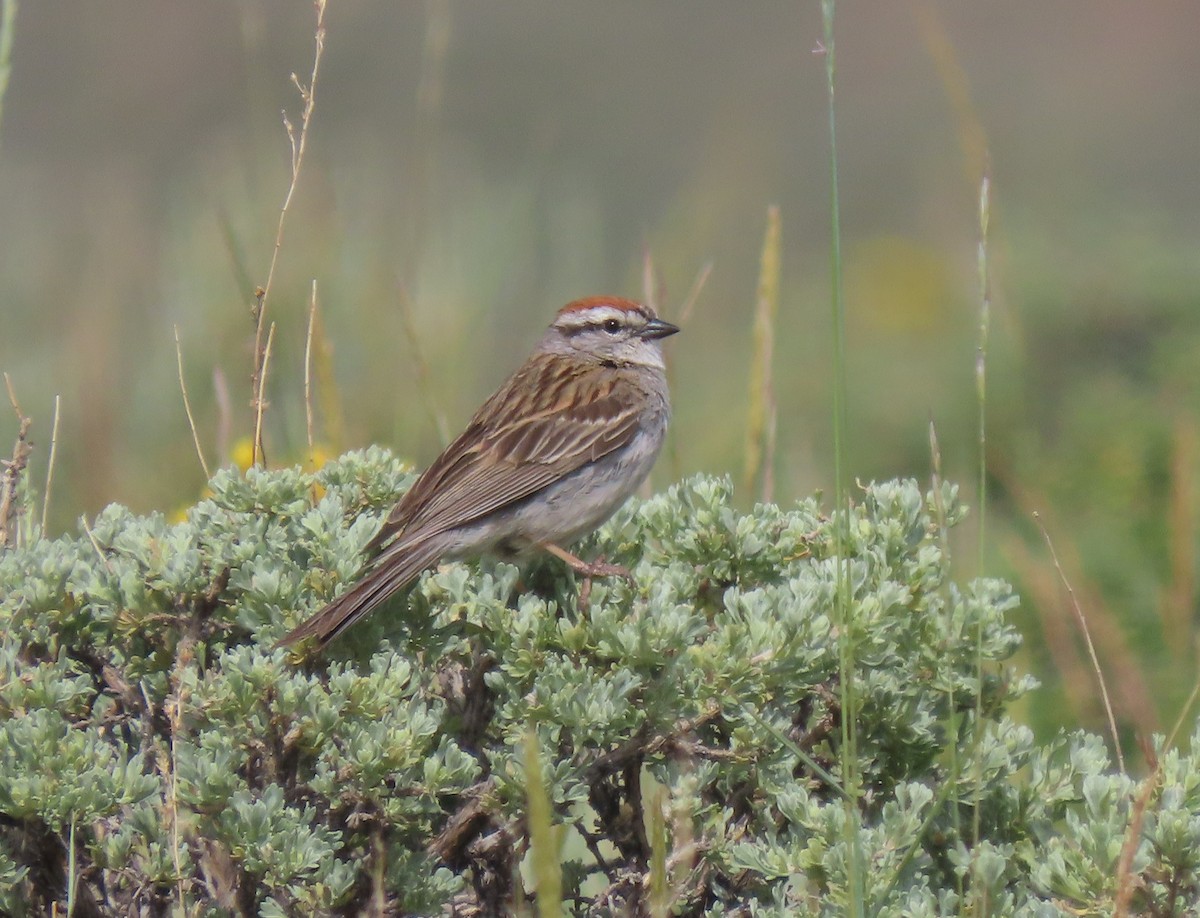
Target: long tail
397,566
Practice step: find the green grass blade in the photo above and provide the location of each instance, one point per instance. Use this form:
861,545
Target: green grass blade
760,417
547,871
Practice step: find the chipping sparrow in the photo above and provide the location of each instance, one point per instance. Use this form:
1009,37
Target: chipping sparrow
547,459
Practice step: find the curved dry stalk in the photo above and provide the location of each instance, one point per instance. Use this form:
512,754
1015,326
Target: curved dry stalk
298,142
258,400
187,407
1087,638
50,462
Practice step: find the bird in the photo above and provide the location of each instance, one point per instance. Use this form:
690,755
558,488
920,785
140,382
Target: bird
563,443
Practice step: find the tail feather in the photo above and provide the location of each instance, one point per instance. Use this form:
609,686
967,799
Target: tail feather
396,567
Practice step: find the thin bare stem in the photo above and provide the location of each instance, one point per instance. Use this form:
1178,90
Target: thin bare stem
650,285
848,688
298,142
50,463
95,544
1183,715
187,407
985,309
224,412
260,405
689,304
1087,637
13,468
308,340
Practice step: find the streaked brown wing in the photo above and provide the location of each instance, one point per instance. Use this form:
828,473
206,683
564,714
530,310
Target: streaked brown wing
511,449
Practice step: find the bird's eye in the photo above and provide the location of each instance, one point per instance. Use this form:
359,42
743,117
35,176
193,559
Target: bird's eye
612,326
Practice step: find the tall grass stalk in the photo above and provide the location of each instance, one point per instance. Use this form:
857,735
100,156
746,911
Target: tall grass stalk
985,309
8,21
1081,619
844,602
760,417
953,716
50,463
308,346
187,406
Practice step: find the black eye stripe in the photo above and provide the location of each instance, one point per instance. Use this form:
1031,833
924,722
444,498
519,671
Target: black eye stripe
609,325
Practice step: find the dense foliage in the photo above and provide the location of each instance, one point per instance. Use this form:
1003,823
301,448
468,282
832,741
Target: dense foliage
157,756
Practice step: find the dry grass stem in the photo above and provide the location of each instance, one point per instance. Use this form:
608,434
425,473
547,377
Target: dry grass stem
424,378
1183,715
95,544
1136,700
187,407
298,141
760,420
308,341
1087,637
259,404
1133,833
1045,593
689,304
651,286
224,412
939,505
50,462
10,478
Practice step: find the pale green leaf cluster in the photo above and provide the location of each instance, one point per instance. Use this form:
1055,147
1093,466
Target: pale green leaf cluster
143,708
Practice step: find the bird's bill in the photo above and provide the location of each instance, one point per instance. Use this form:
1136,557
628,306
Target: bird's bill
657,328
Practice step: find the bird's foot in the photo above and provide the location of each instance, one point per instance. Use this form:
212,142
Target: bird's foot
588,571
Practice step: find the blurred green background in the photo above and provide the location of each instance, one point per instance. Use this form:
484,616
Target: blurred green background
478,164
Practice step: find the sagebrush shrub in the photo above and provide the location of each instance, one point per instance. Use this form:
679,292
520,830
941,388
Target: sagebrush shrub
157,756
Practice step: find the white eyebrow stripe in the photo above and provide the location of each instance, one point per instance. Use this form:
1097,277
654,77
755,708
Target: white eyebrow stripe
596,315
